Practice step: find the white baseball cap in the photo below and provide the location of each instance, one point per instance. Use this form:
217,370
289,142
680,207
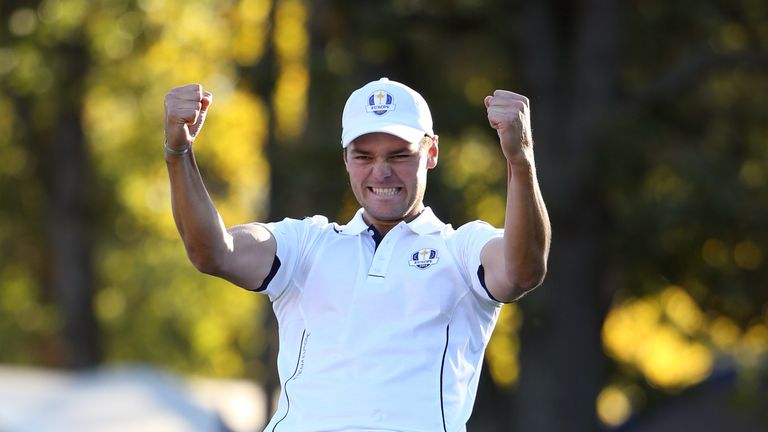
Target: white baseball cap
385,106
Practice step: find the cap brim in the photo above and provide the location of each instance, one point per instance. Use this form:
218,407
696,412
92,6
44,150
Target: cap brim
401,131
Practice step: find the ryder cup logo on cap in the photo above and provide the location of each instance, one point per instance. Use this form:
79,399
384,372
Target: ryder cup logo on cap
385,106
380,103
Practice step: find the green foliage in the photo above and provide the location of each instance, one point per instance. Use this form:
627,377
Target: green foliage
684,185
151,305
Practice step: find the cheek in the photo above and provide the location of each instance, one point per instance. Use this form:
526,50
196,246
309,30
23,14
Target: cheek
351,171
411,172
356,177
421,173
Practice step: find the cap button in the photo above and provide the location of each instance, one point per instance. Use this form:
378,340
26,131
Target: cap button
384,79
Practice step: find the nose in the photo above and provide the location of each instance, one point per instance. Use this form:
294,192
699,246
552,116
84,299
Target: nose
382,169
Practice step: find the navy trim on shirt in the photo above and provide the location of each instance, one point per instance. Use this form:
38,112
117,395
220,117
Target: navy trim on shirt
442,374
481,276
377,237
295,371
271,275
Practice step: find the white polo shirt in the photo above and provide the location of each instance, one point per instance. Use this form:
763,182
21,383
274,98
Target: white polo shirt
379,338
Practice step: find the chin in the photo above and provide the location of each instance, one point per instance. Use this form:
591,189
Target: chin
384,216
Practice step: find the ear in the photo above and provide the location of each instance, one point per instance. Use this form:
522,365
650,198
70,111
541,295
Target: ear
344,157
432,153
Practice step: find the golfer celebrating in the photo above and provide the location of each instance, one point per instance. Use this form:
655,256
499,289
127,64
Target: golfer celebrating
384,320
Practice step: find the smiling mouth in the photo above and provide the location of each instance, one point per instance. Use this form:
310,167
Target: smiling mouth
389,191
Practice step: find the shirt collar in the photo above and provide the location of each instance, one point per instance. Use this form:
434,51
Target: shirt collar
356,225
425,223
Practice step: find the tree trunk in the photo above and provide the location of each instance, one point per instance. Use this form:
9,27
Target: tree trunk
572,86
260,79
69,217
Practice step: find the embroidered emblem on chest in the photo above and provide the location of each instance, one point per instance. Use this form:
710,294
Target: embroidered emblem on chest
423,258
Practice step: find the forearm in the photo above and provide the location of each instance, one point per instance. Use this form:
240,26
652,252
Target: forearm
526,228
201,227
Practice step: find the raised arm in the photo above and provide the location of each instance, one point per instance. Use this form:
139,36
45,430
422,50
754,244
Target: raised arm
242,254
517,262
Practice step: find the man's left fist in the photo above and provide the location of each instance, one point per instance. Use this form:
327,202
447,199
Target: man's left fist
510,114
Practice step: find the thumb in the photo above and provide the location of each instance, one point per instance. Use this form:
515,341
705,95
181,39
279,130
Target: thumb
493,117
205,103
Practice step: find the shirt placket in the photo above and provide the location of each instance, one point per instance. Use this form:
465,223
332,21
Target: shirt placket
382,256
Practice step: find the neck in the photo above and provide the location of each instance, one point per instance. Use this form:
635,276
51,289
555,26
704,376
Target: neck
384,226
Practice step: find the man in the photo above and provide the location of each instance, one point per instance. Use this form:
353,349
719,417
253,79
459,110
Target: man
383,322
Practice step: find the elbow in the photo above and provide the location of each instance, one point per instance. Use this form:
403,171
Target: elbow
204,261
535,277
532,282
532,277
521,283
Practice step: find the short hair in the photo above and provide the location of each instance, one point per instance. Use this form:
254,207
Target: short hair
426,141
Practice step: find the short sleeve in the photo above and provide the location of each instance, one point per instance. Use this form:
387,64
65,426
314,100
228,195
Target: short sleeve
294,239
469,241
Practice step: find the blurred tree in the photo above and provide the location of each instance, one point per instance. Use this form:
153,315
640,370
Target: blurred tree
571,57
48,84
687,190
85,196
153,304
69,216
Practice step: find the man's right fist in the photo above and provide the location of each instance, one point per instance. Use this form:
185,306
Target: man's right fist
185,109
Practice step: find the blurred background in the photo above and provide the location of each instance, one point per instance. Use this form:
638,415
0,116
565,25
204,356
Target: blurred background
651,128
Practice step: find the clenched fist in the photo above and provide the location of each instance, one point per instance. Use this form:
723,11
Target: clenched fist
185,109
510,114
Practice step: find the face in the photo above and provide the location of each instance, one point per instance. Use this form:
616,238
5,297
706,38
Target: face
388,176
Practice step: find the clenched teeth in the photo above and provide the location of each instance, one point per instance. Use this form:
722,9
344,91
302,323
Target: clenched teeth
385,191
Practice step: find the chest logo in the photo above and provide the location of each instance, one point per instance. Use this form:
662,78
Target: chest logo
423,258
